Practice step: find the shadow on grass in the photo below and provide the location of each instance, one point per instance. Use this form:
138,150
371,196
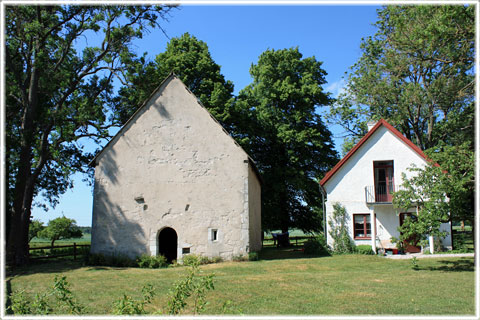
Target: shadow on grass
454,266
45,266
273,253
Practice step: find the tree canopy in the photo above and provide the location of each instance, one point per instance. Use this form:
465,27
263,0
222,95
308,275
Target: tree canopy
60,228
57,95
417,72
190,59
287,138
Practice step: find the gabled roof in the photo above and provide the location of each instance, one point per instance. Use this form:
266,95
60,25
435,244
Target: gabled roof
171,76
364,139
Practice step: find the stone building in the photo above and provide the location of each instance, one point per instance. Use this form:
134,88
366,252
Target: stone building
172,181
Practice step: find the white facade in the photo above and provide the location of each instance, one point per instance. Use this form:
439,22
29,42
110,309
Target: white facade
172,180
352,183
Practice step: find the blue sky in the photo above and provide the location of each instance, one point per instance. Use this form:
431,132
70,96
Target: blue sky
236,36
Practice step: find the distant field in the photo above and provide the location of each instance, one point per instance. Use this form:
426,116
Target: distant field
39,242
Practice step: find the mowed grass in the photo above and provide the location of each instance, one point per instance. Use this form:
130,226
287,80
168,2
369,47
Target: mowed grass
292,285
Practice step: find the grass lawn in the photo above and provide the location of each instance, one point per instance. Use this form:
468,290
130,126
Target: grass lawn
40,242
281,283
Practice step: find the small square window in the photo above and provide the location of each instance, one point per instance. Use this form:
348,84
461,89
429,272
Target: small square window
185,250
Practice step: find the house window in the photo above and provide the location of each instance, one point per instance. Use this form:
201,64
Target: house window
214,234
384,183
362,226
185,250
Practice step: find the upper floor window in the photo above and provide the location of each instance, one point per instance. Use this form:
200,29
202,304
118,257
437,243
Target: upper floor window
384,183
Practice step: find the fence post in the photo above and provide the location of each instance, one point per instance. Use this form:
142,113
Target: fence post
74,251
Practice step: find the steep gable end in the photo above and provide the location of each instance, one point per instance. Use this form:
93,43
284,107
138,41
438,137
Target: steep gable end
172,82
354,150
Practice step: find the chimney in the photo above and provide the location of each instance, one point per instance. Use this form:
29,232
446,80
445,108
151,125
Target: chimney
371,124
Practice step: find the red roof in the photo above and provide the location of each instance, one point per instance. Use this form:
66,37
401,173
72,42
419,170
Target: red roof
365,138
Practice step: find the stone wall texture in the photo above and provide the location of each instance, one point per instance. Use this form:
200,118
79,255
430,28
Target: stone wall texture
172,165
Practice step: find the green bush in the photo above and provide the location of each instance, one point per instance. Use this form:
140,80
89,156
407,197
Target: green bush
240,258
317,246
252,256
152,262
364,249
131,306
193,258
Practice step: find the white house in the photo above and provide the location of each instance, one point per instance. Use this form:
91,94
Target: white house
172,181
363,182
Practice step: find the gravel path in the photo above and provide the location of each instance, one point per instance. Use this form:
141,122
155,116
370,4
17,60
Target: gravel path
421,255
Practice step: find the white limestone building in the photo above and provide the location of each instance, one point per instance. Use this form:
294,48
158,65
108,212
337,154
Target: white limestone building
363,182
172,181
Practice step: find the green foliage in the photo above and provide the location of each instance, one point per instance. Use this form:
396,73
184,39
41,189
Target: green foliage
253,256
60,228
417,72
194,287
130,306
59,91
316,246
190,259
34,228
280,128
442,193
152,262
342,243
65,297
415,263
364,249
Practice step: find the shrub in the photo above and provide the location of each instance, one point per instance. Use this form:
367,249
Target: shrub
317,246
152,262
342,243
191,258
240,257
252,256
131,306
193,286
364,249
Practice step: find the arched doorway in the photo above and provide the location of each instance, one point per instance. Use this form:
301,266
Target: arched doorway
167,244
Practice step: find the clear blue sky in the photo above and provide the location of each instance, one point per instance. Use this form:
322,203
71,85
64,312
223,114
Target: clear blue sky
236,36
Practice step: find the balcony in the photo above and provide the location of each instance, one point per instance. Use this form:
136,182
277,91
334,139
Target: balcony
380,194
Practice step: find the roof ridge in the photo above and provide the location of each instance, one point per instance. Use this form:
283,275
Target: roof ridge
365,138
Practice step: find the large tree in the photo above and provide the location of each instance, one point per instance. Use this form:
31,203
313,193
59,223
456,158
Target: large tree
286,136
56,95
190,59
417,72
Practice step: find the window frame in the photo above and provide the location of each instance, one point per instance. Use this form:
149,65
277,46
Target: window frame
355,237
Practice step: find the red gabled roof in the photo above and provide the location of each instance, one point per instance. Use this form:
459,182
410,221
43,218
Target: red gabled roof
365,138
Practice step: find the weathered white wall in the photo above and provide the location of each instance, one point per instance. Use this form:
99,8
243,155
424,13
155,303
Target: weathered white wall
347,185
255,207
192,176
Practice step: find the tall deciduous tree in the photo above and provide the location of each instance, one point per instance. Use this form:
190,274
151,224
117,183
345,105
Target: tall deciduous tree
190,59
286,137
417,71
56,96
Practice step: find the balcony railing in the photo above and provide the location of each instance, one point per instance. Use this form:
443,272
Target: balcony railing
380,194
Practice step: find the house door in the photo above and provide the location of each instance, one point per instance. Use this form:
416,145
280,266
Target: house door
167,244
411,244
383,171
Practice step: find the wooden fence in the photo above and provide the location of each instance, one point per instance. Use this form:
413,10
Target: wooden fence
294,241
49,256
